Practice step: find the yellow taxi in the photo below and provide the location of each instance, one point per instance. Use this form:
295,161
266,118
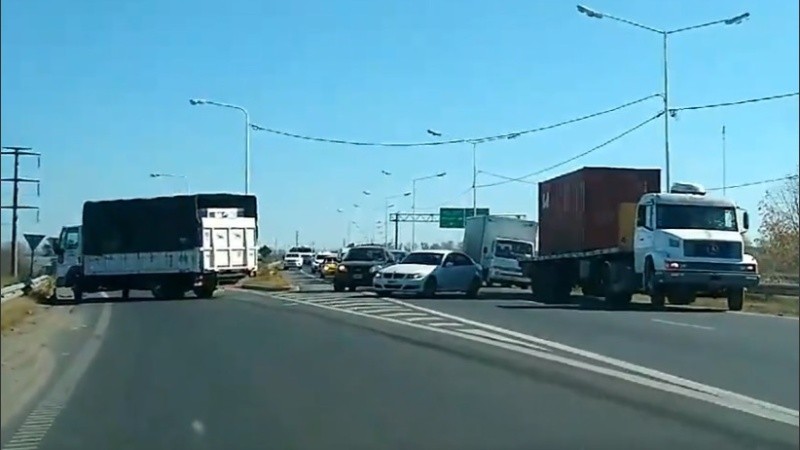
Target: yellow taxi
328,266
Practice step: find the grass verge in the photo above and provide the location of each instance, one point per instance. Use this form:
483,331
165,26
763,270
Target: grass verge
269,279
776,305
16,311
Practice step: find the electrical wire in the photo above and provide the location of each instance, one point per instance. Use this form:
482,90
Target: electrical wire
573,158
672,111
755,183
478,140
448,202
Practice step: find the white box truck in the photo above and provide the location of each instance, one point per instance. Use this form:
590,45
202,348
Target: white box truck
496,243
167,245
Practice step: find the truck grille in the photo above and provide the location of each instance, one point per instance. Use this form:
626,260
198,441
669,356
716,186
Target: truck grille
712,249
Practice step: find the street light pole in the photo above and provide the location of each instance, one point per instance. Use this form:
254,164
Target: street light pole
474,179
386,216
664,37
195,101
414,204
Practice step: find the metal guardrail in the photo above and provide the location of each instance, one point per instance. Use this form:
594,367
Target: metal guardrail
19,289
788,289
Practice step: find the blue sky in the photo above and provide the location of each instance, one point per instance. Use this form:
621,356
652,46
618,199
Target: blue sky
101,89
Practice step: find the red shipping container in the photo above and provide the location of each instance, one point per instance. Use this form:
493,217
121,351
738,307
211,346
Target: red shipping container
579,211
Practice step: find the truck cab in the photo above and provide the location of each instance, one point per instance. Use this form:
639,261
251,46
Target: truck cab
68,251
497,243
687,243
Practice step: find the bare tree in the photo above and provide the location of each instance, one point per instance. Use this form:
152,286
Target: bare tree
780,227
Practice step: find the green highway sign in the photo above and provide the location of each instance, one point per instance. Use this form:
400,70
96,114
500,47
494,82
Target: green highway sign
456,217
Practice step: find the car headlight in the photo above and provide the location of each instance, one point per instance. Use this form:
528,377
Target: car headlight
417,276
342,268
674,243
374,269
378,275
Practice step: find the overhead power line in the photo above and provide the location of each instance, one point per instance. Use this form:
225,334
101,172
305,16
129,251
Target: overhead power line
672,111
755,183
573,158
477,140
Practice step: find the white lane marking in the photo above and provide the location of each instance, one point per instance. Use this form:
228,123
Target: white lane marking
653,379
38,422
682,324
402,314
422,318
444,324
498,337
379,309
782,413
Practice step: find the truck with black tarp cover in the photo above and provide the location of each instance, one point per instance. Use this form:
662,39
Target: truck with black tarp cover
168,245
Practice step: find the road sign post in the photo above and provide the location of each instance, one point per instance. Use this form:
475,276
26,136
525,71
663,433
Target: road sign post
33,241
457,217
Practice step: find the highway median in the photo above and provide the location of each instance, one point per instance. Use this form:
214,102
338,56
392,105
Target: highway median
269,279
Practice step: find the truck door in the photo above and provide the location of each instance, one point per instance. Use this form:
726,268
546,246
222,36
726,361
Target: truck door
69,242
643,236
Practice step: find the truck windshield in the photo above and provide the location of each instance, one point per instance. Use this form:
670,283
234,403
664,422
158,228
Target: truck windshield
693,217
512,249
292,255
301,250
70,239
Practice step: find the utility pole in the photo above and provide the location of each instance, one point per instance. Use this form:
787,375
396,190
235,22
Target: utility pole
297,238
724,165
17,152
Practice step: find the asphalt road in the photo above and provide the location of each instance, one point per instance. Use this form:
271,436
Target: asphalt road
248,371
754,355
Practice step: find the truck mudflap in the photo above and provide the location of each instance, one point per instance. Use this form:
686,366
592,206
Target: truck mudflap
708,280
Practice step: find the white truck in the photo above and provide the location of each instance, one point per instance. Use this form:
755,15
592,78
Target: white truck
496,243
611,232
167,245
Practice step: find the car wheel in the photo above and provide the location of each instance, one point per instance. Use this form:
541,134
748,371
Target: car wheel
429,288
338,287
474,287
383,293
351,288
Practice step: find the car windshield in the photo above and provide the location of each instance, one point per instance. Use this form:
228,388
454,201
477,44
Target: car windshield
291,255
320,257
424,258
513,249
398,256
365,254
692,217
300,250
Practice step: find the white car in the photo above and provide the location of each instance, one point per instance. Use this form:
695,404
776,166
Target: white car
429,272
292,261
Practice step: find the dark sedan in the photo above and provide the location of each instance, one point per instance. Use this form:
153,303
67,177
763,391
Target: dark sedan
358,267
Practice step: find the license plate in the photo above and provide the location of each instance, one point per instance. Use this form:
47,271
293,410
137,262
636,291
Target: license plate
357,276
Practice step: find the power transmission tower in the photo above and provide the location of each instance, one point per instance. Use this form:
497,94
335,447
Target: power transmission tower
17,152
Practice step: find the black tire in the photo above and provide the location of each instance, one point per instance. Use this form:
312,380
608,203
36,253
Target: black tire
735,299
474,288
657,298
429,288
619,299
77,294
351,288
383,293
126,294
338,287
204,292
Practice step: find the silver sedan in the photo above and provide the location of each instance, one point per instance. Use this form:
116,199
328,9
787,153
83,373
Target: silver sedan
429,272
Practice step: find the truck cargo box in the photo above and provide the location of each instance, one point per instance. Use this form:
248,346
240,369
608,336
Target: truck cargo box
159,224
580,211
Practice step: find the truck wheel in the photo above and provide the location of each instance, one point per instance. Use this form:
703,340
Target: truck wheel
658,300
351,288
77,294
338,287
126,294
619,299
735,299
204,291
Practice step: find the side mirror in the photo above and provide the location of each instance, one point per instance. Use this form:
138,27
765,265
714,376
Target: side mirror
745,221
58,250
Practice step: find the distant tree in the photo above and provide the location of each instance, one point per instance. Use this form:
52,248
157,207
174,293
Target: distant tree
780,227
424,246
264,252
